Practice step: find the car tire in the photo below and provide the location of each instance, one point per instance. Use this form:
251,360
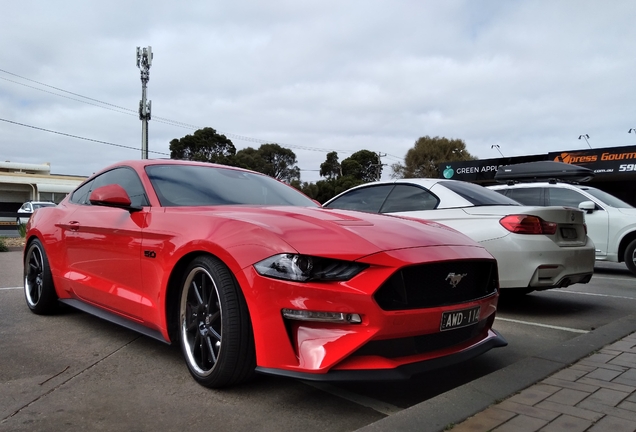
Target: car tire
630,256
215,332
39,290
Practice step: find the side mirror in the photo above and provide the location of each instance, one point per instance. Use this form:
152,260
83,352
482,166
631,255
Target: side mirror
112,196
587,206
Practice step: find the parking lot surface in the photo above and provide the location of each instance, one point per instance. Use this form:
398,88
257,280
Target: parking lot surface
72,371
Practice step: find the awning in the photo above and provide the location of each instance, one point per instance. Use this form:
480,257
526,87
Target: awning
58,188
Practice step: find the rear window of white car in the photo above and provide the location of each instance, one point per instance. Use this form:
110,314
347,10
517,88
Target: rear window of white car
478,195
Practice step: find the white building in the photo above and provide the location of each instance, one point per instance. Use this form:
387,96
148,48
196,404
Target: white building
20,182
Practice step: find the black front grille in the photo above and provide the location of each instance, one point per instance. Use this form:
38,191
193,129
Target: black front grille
394,348
438,284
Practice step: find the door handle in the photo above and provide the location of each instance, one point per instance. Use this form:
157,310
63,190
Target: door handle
73,225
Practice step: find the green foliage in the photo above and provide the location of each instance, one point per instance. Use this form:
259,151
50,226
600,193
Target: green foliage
270,159
363,165
205,145
22,230
426,155
280,162
324,190
3,245
330,168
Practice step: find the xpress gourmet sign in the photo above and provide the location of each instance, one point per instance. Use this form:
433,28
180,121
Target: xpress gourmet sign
604,162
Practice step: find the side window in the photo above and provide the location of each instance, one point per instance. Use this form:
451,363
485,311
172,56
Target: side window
80,196
565,197
526,196
405,198
368,199
127,179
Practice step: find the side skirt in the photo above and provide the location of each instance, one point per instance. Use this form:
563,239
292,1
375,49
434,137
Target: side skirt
115,319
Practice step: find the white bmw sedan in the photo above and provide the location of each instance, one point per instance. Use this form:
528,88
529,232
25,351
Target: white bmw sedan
536,248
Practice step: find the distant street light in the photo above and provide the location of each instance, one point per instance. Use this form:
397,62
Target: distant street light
497,147
585,136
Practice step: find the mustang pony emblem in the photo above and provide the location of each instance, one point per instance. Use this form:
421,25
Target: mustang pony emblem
455,278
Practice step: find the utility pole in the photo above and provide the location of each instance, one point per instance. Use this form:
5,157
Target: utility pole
144,61
378,166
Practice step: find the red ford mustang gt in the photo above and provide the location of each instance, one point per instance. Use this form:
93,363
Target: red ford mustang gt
247,274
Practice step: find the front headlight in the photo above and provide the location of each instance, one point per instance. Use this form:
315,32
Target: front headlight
304,268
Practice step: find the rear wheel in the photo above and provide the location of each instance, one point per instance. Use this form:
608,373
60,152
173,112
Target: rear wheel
38,283
630,256
215,332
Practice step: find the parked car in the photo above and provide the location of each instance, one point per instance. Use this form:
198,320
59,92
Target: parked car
611,222
27,209
536,248
247,274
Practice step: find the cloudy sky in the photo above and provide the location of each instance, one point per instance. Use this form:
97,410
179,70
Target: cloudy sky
315,76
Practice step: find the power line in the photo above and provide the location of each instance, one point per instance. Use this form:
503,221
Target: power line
79,137
164,120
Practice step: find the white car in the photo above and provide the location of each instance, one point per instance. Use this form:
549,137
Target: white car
611,222
27,209
536,248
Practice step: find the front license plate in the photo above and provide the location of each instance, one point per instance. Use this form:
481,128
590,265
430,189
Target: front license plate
460,318
568,233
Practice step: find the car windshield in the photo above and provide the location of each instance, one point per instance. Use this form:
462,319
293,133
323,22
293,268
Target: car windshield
478,195
195,185
606,198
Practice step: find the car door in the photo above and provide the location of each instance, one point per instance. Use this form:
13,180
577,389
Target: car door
103,246
597,221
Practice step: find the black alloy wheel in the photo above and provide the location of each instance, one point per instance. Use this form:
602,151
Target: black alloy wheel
214,327
39,290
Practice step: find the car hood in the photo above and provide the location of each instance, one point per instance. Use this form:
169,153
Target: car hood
321,231
627,211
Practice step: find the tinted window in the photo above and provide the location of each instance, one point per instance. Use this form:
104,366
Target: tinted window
565,197
405,198
526,196
190,185
477,195
80,196
40,205
127,179
369,199
606,198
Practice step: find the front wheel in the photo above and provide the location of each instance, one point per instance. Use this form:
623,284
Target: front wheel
38,283
630,256
215,331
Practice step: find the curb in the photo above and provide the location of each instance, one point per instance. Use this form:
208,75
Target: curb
456,405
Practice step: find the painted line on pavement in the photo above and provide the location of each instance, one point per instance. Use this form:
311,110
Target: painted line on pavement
592,294
573,330
376,405
620,278
11,288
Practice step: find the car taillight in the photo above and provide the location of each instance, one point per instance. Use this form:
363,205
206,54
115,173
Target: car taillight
526,224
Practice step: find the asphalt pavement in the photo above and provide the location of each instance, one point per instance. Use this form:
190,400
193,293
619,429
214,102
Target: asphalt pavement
587,383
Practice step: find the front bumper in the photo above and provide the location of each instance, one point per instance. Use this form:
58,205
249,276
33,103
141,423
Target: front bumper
406,371
301,348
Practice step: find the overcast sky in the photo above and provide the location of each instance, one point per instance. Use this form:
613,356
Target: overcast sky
315,76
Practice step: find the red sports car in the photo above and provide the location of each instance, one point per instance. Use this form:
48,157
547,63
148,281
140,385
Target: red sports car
248,274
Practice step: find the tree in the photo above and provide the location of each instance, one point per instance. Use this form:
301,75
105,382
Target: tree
205,145
280,162
270,159
330,168
363,165
324,190
426,155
